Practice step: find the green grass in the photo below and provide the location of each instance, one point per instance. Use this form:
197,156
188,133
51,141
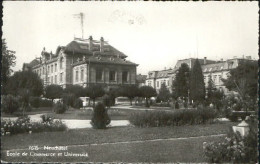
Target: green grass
189,150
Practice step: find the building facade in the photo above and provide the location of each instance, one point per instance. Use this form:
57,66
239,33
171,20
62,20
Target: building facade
84,62
214,70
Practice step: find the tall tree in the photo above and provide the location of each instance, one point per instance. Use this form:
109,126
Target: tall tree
180,85
164,93
94,91
25,80
130,91
147,92
197,85
77,90
7,61
211,88
53,91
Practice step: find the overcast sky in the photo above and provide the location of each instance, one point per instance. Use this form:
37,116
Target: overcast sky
152,34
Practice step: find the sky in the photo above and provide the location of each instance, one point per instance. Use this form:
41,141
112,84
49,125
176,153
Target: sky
152,34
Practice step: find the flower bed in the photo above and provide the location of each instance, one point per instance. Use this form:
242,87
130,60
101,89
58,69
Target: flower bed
24,125
172,118
234,148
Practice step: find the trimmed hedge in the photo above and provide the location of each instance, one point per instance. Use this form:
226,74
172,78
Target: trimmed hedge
172,118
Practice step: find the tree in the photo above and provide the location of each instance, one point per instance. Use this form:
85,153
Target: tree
53,91
147,92
210,89
95,91
130,91
7,61
77,90
164,93
197,85
243,79
180,85
25,80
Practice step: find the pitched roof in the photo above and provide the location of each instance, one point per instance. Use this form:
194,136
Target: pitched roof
106,60
82,46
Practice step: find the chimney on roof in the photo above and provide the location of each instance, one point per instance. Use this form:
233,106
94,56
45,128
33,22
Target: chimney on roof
205,60
90,43
101,44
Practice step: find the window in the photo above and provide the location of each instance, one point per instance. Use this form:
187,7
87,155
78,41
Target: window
51,68
157,83
112,76
149,83
55,67
98,75
48,80
219,78
52,80
48,69
61,63
167,82
214,78
43,71
55,79
124,76
61,77
82,74
77,76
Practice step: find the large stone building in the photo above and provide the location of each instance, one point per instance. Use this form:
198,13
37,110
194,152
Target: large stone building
216,70
84,62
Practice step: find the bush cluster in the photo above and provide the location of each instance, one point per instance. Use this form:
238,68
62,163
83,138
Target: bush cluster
100,117
59,108
172,118
9,104
37,102
24,125
234,148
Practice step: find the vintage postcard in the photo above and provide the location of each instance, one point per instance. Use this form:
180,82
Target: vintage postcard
129,82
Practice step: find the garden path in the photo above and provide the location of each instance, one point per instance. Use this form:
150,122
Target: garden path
74,124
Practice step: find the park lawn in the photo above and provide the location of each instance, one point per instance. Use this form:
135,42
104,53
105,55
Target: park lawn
79,140
187,150
114,134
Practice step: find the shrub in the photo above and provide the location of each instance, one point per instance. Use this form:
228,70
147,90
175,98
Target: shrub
68,99
59,108
78,103
234,148
35,102
45,103
172,118
9,104
24,125
161,105
100,117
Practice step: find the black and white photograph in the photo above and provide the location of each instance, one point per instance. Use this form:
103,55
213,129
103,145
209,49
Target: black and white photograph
129,82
